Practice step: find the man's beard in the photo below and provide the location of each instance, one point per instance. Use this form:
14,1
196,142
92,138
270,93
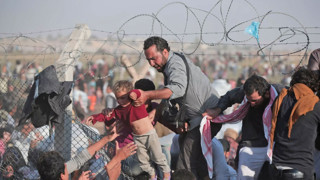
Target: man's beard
161,69
264,103
163,66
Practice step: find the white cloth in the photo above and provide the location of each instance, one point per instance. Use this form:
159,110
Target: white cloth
236,126
221,86
82,97
23,143
79,139
206,146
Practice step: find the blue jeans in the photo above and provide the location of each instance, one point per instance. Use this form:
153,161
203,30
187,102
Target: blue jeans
131,166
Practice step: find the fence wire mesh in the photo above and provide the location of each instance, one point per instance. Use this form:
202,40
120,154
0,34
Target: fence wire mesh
20,153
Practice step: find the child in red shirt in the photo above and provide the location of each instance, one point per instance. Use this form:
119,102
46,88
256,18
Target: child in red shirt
144,135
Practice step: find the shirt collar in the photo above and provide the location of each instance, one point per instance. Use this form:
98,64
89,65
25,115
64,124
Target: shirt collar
170,56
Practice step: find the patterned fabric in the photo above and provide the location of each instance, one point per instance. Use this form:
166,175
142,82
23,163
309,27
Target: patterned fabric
237,115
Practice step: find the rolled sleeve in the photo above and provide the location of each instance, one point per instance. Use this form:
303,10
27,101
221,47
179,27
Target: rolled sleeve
76,162
177,77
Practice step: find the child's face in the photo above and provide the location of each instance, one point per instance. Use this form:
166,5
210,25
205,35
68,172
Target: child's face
6,136
123,98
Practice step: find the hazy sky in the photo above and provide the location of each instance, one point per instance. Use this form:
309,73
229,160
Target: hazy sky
26,16
35,15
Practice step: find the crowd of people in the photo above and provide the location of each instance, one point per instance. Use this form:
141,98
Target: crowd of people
276,137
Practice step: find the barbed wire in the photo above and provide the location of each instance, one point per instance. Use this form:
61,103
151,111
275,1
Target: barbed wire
175,42
14,35
208,39
158,27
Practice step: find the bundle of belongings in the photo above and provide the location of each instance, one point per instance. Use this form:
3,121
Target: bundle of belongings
47,100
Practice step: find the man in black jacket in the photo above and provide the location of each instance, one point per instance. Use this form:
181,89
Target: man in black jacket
314,65
296,117
257,96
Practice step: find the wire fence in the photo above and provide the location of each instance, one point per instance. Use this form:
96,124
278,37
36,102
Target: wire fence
197,32
27,143
216,43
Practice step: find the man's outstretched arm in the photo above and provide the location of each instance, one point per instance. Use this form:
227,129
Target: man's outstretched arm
113,168
78,161
164,93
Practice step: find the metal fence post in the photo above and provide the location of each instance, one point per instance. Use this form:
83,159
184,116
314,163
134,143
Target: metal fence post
65,69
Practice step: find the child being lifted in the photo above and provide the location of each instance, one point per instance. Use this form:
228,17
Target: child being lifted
144,134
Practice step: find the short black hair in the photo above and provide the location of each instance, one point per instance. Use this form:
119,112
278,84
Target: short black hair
160,43
8,128
307,77
50,165
145,85
256,83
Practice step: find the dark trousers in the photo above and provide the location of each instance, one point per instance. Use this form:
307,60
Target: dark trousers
270,172
191,157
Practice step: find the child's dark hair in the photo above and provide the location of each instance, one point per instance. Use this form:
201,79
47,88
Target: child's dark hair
256,83
145,85
306,77
7,128
50,165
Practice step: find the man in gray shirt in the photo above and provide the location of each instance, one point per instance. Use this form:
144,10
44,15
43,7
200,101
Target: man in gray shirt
199,97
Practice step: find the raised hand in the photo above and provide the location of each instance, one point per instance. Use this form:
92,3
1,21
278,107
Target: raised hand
125,151
114,130
88,121
133,95
140,100
107,111
86,175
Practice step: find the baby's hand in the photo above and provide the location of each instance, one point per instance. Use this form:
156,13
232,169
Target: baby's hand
109,114
133,95
88,121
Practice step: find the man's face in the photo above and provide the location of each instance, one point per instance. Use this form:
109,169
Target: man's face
6,136
156,58
255,99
